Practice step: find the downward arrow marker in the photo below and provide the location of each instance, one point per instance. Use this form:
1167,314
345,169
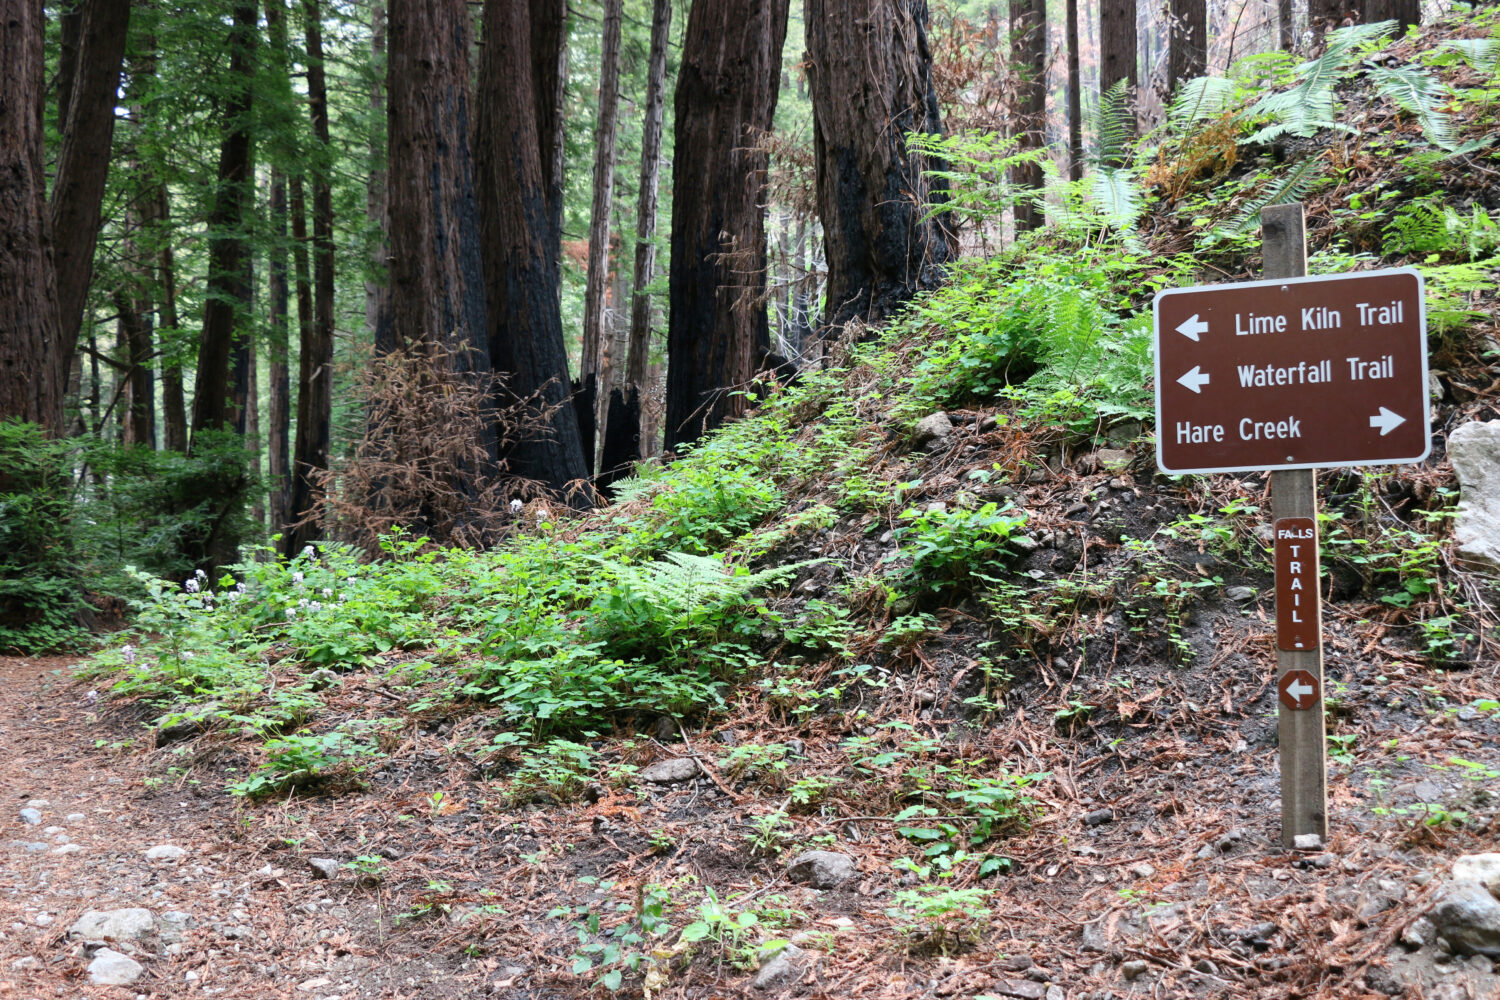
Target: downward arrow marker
1192,327
1387,421
1194,380
1297,689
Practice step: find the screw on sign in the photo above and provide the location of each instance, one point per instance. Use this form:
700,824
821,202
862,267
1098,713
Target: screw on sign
1298,690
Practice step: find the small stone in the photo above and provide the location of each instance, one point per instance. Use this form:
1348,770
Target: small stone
1321,861
52,831
671,771
822,869
1481,868
1055,993
1024,543
937,507
43,919
1020,988
38,804
174,924
130,924
36,846
1099,817
72,819
322,679
1134,970
68,849
781,969
1307,842
1113,459
1142,870
933,427
323,867
1240,593
1262,932
166,852
110,968
1469,918
31,817
1205,966
26,964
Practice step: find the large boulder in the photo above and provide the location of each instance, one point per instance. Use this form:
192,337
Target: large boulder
1481,868
1475,451
1469,917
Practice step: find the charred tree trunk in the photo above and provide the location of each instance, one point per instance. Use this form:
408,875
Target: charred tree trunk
639,350
1404,12
603,201
1028,48
520,204
83,164
376,216
1118,54
1075,96
870,72
1187,52
726,99
315,361
32,380
1285,35
1324,15
228,286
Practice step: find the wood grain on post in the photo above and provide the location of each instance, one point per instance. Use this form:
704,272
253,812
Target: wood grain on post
1304,769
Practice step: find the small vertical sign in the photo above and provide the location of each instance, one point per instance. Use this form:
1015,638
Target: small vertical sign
1299,624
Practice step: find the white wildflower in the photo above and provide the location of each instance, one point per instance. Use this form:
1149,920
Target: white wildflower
298,577
241,587
191,585
128,652
302,603
200,574
315,606
291,613
327,591
515,506
307,552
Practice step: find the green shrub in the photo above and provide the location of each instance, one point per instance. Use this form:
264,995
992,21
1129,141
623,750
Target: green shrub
40,582
951,548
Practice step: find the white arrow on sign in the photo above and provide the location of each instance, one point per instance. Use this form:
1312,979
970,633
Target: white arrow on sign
1387,421
1194,380
1297,689
1192,327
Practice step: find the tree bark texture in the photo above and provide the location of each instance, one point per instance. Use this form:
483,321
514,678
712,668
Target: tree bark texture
315,358
1404,12
649,195
83,164
1285,35
1075,96
870,73
725,102
1028,48
521,211
228,287
1187,52
279,416
173,398
32,382
603,198
1119,56
1323,15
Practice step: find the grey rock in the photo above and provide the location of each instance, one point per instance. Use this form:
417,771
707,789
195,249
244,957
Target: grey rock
782,969
1240,593
1262,931
38,804
1113,459
110,968
323,867
166,852
1024,543
30,816
822,869
1124,433
1481,868
129,924
35,846
1307,842
671,771
930,428
1469,918
1134,969
1206,966
322,679
173,924
1419,933
1055,993
1475,451
1321,861
68,849
1143,869
26,964
1099,817
1019,988
73,819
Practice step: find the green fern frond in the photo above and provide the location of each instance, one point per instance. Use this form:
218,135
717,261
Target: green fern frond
683,584
1114,125
1288,189
1481,53
1200,99
1312,105
1419,94
1116,193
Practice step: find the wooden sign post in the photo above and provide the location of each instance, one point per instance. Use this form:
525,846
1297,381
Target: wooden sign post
1294,494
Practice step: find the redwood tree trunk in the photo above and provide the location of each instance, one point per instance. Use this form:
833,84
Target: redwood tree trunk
315,362
32,381
1187,52
1323,15
228,287
279,417
83,164
173,401
1285,37
603,200
1028,47
1075,96
1404,12
1118,55
870,71
726,98
376,216
521,211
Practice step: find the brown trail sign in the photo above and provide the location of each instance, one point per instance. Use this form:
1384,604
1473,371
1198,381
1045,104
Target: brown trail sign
1293,374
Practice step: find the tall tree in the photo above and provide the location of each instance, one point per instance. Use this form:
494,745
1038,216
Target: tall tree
315,359
173,398
281,152
1187,52
227,297
870,72
1118,55
31,380
520,202
376,216
1028,48
594,315
83,163
1075,96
